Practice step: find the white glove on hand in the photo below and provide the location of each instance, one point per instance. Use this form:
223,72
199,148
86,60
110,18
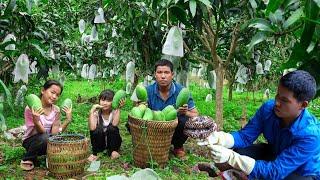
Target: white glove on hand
218,138
221,154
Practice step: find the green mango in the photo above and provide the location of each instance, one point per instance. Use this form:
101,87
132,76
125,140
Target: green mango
141,93
182,97
158,116
67,103
172,115
117,97
142,107
167,109
136,112
148,114
33,101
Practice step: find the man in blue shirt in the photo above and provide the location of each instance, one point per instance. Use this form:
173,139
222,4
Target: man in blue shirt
292,133
164,92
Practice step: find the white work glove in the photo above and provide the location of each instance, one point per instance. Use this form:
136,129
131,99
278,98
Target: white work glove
218,138
221,154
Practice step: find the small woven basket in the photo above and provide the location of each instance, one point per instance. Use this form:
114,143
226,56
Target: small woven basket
151,140
67,155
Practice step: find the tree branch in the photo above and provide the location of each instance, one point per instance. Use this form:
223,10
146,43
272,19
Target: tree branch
195,56
5,67
233,44
204,41
202,59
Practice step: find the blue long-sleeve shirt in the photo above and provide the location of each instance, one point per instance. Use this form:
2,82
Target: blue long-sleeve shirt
297,147
155,101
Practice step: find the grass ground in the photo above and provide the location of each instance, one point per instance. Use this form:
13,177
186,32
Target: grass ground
12,151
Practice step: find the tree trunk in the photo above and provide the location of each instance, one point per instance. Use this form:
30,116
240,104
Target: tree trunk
219,95
230,90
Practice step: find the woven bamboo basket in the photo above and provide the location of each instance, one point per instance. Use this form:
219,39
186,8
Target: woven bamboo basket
151,140
67,155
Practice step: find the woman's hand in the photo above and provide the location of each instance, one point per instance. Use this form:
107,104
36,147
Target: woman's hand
68,112
122,103
37,112
95,107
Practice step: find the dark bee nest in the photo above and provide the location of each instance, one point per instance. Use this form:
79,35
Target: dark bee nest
200,127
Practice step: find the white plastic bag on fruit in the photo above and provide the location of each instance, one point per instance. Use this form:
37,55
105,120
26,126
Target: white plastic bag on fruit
114,33
94,34
99,16
259,69
239,88
128,88
212,79
9,37
130,70
267,65
208,98
82,26
33,68
109,52
20,96
174,43
85,71
92,72
21,69
242,75
52,55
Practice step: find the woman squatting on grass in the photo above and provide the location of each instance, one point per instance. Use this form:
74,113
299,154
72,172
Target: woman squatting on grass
43,122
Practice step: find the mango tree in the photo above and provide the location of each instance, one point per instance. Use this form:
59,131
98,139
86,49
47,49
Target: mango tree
217,26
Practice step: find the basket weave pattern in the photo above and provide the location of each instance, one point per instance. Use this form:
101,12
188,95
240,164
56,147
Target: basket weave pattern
67,155
151,140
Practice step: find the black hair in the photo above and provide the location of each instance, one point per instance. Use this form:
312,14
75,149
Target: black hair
50,83
106,95
163,62
301,83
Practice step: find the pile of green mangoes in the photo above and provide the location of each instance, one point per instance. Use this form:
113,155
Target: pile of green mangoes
169,113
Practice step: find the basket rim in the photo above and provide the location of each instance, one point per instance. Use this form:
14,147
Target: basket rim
53,138
152,120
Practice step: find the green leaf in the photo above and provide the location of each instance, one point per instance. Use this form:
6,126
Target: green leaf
273,5
288,3
259,37
206,2
317,2
11,5
180,14
41,51
261,24
312,66
311,12
295,16
253,4
299,52
277,16
193,7
7,93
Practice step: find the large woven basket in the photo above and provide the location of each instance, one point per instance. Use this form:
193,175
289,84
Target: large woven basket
151,141
67,154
